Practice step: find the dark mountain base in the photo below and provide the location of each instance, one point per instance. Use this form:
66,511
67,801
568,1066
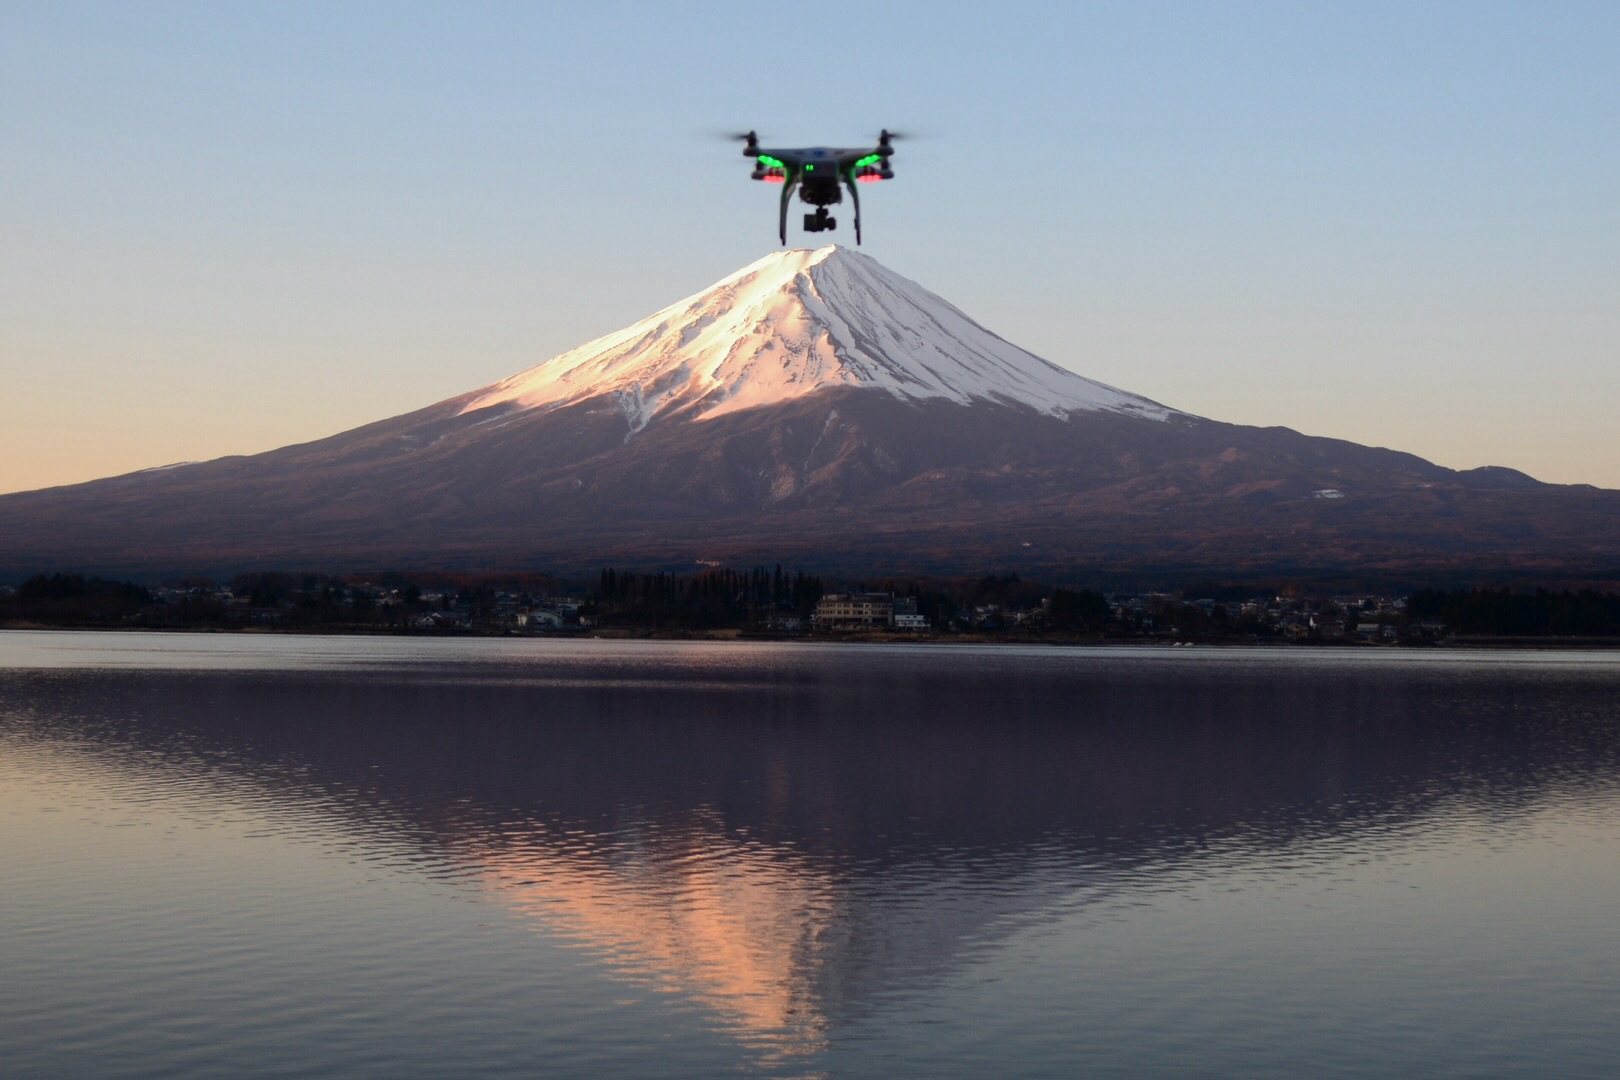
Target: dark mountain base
848,480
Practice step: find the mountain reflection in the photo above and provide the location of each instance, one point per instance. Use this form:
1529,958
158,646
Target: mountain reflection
791,841
734,925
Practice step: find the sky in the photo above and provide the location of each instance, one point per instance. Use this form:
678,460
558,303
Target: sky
226,228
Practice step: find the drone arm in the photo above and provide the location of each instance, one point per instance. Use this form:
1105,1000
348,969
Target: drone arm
855,197
787,195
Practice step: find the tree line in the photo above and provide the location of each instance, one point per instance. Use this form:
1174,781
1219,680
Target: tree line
722,598
715,598
1587,613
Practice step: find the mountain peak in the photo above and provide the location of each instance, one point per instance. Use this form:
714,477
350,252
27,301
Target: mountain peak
793,323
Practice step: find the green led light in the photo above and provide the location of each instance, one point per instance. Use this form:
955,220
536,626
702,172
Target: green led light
809,168
869,159
770,162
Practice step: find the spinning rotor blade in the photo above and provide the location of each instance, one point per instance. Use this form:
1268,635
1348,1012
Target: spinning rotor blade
885,137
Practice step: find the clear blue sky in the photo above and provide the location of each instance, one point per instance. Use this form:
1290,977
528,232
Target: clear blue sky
229,227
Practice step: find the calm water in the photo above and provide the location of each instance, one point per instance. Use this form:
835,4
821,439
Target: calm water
230,855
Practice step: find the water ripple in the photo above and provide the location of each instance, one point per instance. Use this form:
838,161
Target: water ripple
394,858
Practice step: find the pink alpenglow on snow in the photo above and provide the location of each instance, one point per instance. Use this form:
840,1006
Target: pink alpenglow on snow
796,322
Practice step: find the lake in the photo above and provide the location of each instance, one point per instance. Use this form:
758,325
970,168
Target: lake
279,855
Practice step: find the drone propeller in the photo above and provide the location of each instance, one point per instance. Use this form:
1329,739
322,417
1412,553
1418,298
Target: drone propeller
886,139
749,139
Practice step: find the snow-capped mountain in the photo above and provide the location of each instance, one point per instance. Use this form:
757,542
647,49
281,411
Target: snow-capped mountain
792,324
818,410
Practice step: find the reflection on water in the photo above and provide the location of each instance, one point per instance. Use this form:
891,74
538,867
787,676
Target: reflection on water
810,843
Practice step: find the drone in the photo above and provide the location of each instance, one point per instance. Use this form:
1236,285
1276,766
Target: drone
816,172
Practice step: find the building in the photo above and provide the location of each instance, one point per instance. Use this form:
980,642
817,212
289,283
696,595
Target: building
906,616
853,611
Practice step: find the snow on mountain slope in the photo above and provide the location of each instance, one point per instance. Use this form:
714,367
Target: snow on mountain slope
796,322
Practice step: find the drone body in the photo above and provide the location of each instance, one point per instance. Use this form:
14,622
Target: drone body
820,174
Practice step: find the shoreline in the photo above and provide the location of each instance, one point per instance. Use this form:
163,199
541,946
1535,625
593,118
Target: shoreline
1504,642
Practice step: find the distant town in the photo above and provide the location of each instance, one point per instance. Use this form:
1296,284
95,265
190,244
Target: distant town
719,602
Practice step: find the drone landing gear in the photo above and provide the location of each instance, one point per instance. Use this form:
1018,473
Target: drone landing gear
819,221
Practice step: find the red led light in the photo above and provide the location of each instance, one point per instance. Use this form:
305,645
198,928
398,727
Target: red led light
869,179
774,178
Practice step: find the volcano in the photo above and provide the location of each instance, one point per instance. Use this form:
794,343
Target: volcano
818,410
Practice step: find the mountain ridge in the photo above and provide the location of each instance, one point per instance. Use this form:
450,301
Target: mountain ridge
844,457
